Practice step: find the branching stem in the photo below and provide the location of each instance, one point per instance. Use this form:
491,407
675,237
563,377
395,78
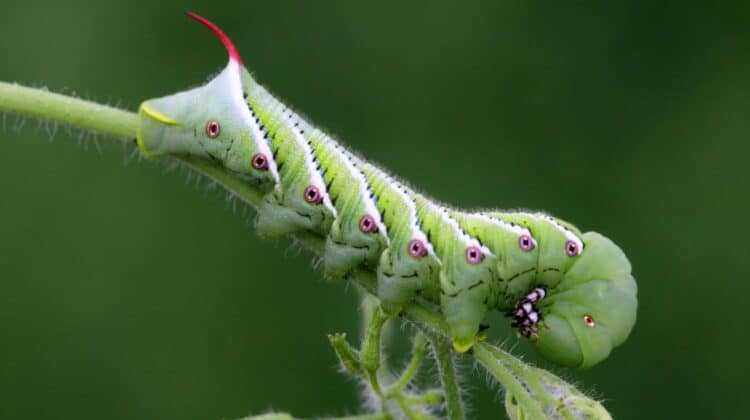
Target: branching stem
493,362
418,350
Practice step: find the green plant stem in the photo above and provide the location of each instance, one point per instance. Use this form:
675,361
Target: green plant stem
418,351
448,375
52,106
348,356
371,344
403,403
494,363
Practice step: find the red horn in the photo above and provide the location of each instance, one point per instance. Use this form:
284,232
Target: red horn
231,49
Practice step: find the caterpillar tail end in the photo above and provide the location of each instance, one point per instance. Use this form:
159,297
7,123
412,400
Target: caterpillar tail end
462,345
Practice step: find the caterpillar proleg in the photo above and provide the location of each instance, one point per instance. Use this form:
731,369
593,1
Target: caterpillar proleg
571,293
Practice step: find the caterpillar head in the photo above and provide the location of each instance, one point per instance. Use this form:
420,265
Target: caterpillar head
212,121
591,310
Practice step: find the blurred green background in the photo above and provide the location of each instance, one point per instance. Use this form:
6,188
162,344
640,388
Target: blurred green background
129,292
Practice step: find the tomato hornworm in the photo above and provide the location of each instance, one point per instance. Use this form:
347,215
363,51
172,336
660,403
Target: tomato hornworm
571,293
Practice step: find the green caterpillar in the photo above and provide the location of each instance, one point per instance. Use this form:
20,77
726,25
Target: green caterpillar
571,293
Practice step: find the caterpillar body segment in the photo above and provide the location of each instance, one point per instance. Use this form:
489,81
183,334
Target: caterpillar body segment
301,202
572,294
559,243
357,235
466,273
409,265
516,252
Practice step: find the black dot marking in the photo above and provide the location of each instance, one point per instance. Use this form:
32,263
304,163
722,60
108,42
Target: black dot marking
305,215
477,284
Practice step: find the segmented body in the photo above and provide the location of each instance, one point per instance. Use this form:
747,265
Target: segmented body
468,263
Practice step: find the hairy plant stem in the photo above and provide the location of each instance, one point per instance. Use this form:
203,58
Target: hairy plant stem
52,106
505,375
372,370
446,364
417,354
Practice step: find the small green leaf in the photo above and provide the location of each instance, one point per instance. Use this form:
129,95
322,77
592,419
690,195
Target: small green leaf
348,356
532,393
